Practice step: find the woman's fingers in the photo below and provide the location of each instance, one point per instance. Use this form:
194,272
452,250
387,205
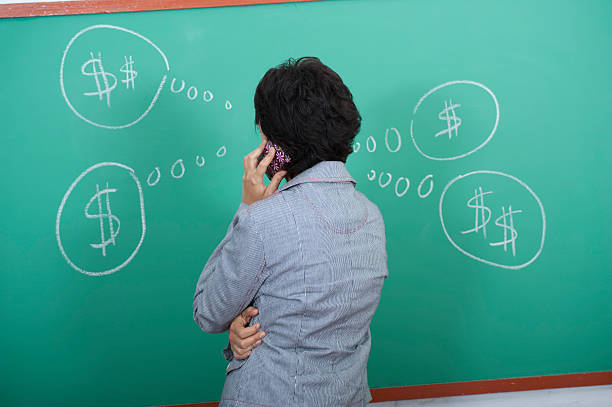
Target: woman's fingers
250,160
242,355
263,164
274,182
244,347
245,332
248,313
247,344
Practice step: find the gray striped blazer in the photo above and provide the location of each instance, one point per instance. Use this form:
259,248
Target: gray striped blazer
312,259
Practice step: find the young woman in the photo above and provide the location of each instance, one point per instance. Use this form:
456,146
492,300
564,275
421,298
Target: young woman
303,264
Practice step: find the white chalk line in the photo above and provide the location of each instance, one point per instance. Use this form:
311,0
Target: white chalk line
177,162
451,182
61,208
480,85
405,189
207,96
172,86
399,140
388,179
431,185
151,184
195,95
373,144
161,85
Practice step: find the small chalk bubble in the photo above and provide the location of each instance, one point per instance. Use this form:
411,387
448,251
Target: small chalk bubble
158,176
178,162
192,93
228,105
221,151
200,161
207,96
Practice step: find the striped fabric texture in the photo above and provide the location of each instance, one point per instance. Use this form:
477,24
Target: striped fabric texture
312,259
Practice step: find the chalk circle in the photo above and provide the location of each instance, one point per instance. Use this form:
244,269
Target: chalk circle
158,176
228,105
192,95
112,27
399,195
520,266
356,147
372,175
200,161
207,96
389,177
61,208
416,108
221,151
431,185
398,138
373,148
178,162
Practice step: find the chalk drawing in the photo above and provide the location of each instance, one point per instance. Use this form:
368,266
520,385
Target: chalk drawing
228,105
199,161
400,194
451,83
452,121
113,220
502,222
63,203
508,227
221,151
483,213
178,162
431,185
157,177
207,96
111,27
373,148
398,138
101,77
190,95
172,86
130,73
356,147
372,175
389,177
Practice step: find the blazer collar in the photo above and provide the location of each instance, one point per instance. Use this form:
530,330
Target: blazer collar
324,171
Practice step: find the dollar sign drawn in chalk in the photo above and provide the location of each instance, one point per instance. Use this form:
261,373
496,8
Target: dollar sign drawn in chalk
112,219
483,213
508,226
102,78
452,121
130,73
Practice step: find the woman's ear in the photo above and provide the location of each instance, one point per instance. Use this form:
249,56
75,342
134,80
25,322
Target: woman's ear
261,133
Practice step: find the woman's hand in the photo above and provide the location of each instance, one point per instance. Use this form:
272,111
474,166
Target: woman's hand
253,188
242,337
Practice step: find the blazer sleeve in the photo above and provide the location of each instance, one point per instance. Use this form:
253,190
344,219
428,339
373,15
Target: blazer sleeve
232,275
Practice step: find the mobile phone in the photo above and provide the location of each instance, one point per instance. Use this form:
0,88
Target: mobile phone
280,159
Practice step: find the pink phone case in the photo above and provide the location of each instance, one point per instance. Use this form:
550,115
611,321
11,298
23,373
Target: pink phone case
279,160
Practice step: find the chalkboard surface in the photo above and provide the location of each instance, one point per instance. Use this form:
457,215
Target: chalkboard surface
485,143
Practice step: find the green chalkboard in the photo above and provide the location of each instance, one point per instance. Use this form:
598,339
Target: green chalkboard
485,143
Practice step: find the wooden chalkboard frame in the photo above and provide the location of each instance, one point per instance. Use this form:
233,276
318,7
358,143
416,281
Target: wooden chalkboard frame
57,8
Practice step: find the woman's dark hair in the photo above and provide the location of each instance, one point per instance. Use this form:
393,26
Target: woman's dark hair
304,107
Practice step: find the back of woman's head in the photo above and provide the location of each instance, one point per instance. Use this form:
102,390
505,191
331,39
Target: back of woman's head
304,107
